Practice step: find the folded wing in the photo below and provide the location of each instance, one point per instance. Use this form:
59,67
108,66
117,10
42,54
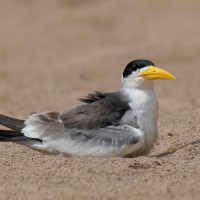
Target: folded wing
103,109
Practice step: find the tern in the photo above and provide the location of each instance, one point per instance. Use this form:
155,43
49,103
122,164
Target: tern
117,124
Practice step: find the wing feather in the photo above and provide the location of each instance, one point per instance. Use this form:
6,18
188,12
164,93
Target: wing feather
118,140
103,109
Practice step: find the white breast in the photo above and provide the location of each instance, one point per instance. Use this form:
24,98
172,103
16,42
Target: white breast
143,114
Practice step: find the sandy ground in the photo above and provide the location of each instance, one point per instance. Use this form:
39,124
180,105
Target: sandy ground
53,52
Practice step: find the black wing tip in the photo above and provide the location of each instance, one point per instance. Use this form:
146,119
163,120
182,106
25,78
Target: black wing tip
12,123
8,135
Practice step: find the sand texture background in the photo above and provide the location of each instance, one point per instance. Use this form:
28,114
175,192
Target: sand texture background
53,52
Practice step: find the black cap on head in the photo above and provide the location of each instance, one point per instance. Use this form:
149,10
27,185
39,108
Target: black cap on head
134,65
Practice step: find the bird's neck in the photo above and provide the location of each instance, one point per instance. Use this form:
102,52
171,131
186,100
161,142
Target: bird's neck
137,84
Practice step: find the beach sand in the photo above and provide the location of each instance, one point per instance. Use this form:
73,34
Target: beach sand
54,52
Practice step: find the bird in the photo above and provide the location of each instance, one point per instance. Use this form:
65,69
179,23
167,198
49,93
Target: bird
115,124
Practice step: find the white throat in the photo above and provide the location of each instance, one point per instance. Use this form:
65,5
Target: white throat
138,83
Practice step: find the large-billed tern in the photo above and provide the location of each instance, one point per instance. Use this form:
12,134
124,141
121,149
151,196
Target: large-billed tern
122,124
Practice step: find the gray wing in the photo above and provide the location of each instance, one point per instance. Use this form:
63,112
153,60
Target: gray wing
50,136
120,140
103,109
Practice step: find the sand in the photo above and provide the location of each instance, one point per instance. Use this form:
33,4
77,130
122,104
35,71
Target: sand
54,52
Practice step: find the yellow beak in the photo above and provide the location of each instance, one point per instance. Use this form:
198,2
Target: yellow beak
156,73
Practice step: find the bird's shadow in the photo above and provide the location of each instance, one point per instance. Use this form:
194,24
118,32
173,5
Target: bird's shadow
171,152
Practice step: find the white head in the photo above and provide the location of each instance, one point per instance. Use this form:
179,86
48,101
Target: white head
140,74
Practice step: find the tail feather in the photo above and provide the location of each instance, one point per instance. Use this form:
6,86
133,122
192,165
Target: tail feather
12,123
